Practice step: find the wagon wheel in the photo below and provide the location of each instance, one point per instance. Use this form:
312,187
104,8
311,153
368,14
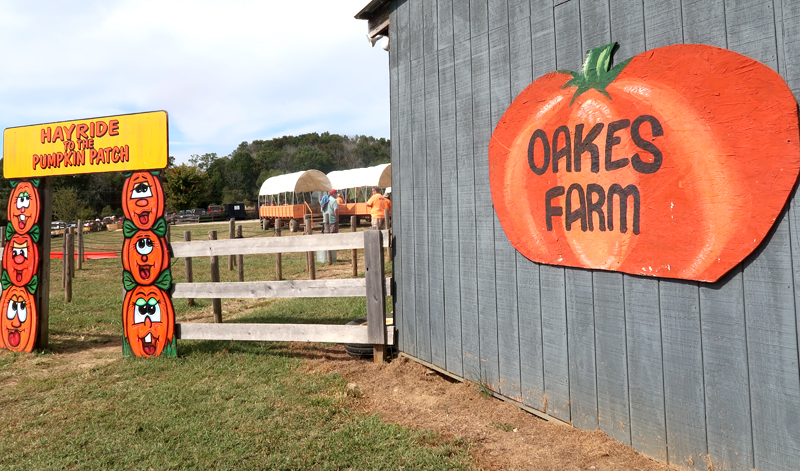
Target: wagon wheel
293,225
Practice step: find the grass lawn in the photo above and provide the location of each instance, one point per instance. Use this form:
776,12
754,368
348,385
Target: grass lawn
219,405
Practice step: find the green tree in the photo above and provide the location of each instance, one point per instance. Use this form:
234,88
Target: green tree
243,172
67,205
307,158
87,214
203,162
235,196
185,187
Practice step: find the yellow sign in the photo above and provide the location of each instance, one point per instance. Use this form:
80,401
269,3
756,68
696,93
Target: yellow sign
107,144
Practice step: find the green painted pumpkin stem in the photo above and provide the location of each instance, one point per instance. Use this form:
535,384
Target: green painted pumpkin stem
595,74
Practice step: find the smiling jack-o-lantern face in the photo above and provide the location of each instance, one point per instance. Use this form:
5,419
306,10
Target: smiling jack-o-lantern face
23,207
145,256
149,320
19,320
143,199
21,259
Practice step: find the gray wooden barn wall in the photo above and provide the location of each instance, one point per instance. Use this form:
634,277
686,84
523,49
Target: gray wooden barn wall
682,371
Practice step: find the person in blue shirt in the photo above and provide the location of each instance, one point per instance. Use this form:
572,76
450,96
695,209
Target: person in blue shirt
332,210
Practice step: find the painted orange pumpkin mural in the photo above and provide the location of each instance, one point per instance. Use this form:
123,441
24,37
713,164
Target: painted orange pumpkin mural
19,321
675,163
149,320
143,199
21,259
145,256
23,207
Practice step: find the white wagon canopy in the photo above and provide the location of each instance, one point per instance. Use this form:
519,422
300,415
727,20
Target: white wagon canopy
298,182
379,175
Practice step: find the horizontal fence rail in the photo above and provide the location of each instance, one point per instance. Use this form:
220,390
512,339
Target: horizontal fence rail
278,333
270,245
356,287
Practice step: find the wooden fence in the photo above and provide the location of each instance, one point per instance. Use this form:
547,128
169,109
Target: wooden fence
374,286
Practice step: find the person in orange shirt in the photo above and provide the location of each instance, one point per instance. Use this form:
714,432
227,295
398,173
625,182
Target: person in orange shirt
377,204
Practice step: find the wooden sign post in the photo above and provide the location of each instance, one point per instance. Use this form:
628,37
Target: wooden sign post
135,144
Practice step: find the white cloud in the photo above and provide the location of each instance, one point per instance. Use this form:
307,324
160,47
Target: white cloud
226,72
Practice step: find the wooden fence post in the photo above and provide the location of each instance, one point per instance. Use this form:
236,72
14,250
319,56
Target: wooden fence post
376,300
43,291
326,229
69,260
387,218
312,265
82,247
278,268
65,264
187,236
240,257
215,302
79,246
71,245
231,235
306,223
354,228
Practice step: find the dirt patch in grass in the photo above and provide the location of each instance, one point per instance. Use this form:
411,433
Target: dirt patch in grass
504,436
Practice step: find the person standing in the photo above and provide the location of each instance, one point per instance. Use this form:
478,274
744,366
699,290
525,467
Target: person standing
332,210
388,198
377,204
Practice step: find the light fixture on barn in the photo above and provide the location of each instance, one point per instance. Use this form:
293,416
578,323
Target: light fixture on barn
374,39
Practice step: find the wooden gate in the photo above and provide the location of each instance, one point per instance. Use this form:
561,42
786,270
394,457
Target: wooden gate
374,286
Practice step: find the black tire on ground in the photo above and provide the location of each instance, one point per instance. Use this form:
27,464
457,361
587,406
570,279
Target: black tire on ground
293,225
363,350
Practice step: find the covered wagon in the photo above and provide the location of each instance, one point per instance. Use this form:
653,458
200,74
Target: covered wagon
291,196
355,187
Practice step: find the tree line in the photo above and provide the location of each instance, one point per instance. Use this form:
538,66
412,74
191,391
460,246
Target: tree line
210,179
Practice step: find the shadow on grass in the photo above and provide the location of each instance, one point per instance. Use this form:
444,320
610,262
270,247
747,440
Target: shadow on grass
337,319
304,351
71,342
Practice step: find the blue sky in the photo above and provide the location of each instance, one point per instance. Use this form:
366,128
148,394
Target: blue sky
226,72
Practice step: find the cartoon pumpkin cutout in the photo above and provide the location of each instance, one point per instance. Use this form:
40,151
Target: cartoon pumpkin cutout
21,259
143,199
23,207
149,320
19,321
145,256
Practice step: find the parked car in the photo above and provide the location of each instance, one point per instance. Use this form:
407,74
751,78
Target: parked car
171,217
215,210
57,228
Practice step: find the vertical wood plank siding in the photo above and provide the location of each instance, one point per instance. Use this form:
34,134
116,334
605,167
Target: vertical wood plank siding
433,170
692,374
